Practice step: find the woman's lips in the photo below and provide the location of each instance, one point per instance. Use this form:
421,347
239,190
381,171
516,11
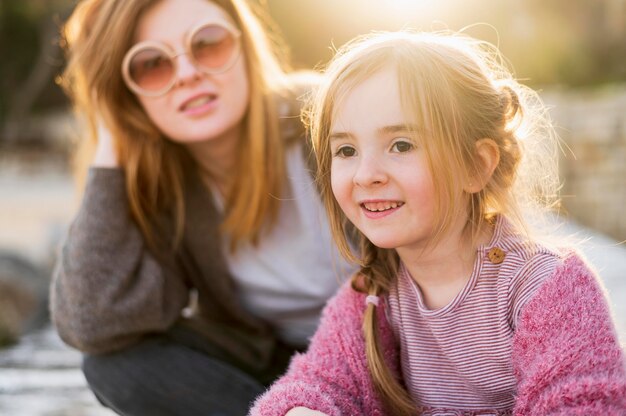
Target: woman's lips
199,104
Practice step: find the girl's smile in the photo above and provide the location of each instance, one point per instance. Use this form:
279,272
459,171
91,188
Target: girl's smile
375,209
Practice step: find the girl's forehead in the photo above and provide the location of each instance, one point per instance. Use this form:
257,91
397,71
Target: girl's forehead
374,99
168,22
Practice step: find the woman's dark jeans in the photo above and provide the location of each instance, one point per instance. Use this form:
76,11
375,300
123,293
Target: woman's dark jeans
175,374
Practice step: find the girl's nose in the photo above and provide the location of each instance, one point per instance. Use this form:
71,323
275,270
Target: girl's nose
370,172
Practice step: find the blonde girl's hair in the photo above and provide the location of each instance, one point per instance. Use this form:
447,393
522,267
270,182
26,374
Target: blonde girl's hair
97,36
457,90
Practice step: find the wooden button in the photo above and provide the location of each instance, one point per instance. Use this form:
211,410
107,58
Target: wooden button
496,255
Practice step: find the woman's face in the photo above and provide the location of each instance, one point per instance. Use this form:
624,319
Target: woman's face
200,106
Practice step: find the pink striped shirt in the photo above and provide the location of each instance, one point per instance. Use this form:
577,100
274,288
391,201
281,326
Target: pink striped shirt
459,356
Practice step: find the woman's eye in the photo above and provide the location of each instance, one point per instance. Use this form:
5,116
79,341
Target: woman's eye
153,63
345,151
402,146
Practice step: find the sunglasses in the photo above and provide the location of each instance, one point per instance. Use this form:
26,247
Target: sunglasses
149,68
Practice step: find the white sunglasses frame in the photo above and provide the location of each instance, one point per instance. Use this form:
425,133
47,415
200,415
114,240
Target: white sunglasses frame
169,52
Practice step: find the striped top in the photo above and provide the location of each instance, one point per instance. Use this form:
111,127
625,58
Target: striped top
458,358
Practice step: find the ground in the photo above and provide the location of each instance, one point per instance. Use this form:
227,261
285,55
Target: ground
41,377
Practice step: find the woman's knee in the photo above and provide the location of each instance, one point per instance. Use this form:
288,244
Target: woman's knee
158,377
121,380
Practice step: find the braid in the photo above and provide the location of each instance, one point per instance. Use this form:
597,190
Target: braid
378,270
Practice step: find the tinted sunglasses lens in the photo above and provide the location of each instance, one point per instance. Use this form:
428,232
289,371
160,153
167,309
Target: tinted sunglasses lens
213,47
151,69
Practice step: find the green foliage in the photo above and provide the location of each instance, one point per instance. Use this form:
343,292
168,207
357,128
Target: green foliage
19,37
22,25
578,42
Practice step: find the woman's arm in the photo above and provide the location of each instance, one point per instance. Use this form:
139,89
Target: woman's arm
566,353
332,376
107,289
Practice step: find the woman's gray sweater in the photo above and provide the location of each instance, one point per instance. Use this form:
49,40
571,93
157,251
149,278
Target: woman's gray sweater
109,290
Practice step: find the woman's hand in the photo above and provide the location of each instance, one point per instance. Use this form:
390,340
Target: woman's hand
106,156
303,411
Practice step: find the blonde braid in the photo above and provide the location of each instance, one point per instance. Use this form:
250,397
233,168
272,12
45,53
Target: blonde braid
378,270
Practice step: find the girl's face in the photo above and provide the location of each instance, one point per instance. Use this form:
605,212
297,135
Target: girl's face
199,106
379,175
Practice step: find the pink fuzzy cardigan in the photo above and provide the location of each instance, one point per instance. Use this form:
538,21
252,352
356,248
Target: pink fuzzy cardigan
566,355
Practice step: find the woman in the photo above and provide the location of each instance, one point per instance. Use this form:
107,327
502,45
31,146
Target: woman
186,276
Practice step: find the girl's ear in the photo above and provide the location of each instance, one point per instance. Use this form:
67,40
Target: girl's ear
488,159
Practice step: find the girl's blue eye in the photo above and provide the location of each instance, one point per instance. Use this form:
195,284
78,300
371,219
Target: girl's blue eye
402,146
345,151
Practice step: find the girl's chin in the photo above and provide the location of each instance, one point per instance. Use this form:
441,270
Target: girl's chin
383,243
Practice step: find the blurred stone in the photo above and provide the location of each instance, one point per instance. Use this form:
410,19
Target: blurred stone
40,376
592,126
23,297
16,304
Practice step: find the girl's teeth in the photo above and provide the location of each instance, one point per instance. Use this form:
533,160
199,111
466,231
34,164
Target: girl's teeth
381,206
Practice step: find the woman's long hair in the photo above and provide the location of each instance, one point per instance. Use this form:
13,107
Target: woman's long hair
97,36
457,91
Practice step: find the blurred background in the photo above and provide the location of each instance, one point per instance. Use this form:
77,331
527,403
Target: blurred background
572,51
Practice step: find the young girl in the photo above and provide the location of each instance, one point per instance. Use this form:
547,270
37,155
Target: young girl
200,258
433,152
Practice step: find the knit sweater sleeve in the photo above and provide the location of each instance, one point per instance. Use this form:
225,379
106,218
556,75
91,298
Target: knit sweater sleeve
566,353
107,289
332,376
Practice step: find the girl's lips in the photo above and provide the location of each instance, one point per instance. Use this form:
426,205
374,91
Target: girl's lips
199,104
379,209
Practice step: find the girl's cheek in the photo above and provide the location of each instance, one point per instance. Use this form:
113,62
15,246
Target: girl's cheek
342,191
338,179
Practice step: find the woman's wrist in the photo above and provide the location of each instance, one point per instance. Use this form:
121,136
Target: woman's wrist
105,156
104,159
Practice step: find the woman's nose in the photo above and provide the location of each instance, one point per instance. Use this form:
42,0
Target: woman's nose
186,70
370,172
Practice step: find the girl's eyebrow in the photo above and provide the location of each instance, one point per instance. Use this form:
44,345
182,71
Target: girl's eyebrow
398,128
394,128
339,135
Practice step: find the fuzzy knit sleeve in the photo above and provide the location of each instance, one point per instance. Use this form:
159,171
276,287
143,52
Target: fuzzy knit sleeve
332,376
566,353
107,289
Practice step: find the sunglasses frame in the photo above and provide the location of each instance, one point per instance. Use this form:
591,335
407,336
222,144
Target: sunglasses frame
172,55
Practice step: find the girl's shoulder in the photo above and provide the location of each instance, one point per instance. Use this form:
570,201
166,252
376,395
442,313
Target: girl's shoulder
520,254
346,302
547,274
523,266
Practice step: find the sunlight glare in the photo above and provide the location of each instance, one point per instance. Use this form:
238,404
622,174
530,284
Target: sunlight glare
411,12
